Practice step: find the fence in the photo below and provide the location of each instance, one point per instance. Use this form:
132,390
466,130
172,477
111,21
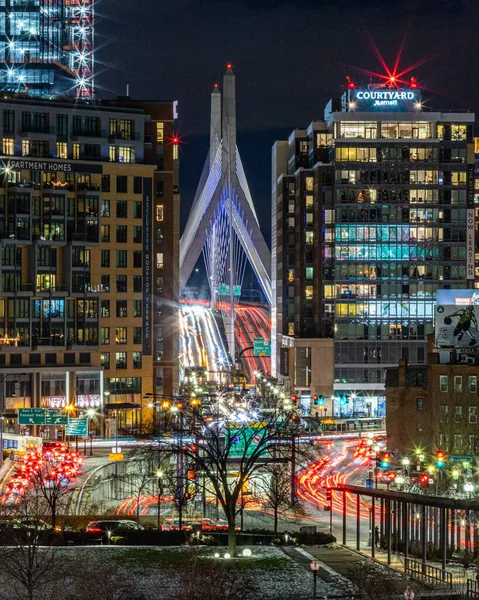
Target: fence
428,573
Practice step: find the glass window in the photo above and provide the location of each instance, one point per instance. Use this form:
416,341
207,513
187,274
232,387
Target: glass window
105,335
419,403
120,360
137,209
444,383
444,412
121,283
160,212
121,259
105,233
105,258
105,309
121,234
473,383
120,335
159,260
105,360
112,153
105,208
137,185
473,414
121,308
62,150
126,154
160,133
122,209
137,360
122,184
458,413
308,292
366,130
137,308
105,183
76,151
137,259
8,146
137,279
458,383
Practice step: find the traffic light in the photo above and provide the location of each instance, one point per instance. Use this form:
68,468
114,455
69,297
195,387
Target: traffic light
329,495
187,496
386,460
440,458
321,401
294,399
424,479
315,400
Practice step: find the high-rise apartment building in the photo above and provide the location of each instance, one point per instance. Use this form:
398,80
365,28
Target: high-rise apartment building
372,214
46,47
89,222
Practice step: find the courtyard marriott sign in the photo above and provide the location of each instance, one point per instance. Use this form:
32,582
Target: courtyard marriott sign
400,100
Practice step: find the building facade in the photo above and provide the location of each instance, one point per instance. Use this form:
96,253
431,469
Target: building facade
89,218
369,220
434,406
46,47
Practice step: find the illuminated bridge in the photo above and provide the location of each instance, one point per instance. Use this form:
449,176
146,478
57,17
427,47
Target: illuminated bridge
224,228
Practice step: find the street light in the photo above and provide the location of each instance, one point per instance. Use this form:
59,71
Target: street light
314,568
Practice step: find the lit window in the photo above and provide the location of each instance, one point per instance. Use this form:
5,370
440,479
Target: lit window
76,151
175,151
419,403
160,212
8,146
112,153
290,275
126,154
160,132
290,328
62,150
309,237
308,292
159,260
120,360
473,414
25,147
309,201
120,335
309,183
309,272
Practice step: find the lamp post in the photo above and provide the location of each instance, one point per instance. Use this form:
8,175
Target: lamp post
159,475
314,568
91,414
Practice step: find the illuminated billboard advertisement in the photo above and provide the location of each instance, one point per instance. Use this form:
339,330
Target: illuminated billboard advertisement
385,99
457,319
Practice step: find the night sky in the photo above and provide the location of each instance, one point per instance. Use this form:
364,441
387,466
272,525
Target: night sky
289,57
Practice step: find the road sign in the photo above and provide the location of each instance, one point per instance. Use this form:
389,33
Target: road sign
261,347
116,456
55,417
459,458
245,440
31,416
77,427
224,290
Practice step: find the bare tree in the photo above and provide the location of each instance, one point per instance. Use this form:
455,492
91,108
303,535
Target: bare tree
274,486
28,555
221,449
144,469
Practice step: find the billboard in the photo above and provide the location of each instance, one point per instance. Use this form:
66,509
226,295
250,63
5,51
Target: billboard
457,326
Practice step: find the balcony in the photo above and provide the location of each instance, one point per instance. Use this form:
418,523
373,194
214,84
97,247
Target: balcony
18,288
124,136
33,128
88,133
89,187
90,238
59,288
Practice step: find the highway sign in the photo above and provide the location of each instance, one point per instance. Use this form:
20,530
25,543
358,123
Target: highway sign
77,426
261,347
224,290
55,417
459,458
245,440
31,416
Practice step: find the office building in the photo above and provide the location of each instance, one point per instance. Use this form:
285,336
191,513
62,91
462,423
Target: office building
46,47
89,221
370,209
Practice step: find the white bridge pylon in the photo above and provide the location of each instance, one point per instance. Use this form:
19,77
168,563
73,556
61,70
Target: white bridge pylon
222,222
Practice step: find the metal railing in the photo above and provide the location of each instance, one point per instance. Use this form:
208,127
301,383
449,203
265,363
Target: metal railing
472,589
426,572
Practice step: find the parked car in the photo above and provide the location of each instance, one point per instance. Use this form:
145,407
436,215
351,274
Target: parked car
112,527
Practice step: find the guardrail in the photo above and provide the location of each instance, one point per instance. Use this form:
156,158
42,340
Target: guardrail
427,573
472,589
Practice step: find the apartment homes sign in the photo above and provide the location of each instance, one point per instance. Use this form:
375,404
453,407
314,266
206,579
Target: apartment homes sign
48,166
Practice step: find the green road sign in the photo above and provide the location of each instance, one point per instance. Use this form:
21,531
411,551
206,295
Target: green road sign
54,416
31,416
77,427
262,347
459,458
224,290
245,440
